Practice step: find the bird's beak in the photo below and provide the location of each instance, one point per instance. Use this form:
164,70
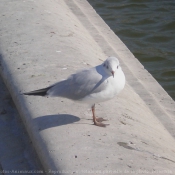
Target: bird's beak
113,73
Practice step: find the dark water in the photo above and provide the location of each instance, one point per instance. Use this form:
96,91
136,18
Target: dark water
147,27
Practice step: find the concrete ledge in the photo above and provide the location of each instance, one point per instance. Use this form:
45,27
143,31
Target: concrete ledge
44,41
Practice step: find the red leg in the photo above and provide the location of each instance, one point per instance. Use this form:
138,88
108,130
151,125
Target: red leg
97,121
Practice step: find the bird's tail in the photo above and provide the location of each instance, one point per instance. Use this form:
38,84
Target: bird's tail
39,92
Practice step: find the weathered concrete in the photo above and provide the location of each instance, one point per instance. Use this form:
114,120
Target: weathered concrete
16,149
43,42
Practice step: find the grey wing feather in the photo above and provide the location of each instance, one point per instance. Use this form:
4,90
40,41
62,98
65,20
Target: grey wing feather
79,85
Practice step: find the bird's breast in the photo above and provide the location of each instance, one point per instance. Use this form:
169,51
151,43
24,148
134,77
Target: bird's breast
117,83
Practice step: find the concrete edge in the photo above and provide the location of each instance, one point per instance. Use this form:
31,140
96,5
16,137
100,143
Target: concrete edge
37,141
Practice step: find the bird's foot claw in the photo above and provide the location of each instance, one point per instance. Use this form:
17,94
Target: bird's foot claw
100,119
100,124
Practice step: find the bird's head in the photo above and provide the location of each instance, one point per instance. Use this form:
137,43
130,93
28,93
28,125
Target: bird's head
111,65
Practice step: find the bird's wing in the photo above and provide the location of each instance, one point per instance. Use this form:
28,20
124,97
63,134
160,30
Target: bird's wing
79,85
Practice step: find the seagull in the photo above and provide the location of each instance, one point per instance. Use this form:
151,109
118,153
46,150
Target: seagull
91,86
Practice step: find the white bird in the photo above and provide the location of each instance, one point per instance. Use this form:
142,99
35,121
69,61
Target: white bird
93,85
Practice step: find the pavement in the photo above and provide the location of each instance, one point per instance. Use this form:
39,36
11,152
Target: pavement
44,41
16,150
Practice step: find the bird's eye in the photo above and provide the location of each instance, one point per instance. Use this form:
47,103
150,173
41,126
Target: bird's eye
117,67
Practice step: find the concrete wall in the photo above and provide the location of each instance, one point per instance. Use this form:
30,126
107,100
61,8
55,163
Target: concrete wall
44,41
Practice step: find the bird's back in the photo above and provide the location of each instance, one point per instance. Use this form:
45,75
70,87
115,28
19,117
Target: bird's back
79,85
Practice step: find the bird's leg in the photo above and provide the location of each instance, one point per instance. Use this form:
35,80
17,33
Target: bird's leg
97,121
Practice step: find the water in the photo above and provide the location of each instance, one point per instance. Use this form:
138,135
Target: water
147,27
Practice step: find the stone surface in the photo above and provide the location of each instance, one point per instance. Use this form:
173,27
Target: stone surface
44,41
16,149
